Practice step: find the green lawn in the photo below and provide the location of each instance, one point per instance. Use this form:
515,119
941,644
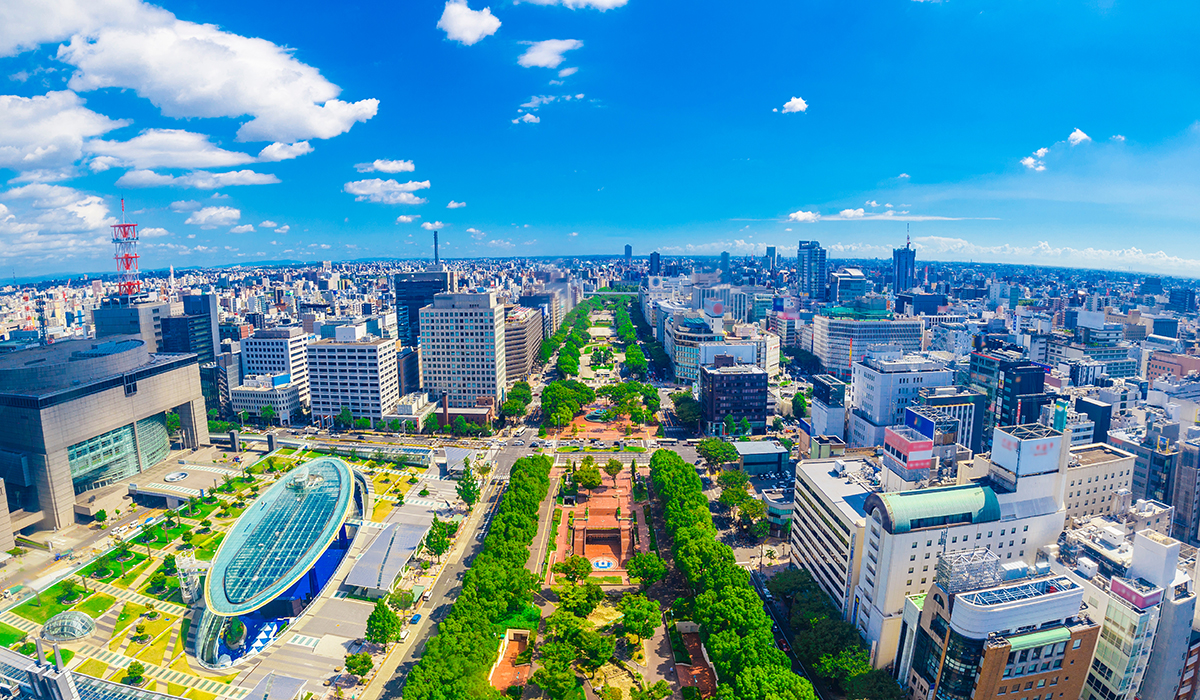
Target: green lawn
67,654
170,595
526,619
10,635
208,550
153,652
47,608
96,605
153,629
166,537
606,580
200,512
129,614
92,667
131,574
115,568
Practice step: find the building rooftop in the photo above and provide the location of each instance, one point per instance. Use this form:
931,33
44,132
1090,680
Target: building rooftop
387,556
845,482
905,511
1030,431
279,537
759,447
1097,453
1024,590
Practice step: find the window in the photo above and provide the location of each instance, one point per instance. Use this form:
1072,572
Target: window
1076,643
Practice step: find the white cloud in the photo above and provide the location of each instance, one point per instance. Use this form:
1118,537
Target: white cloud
200,179
467,26
1033,163
47,131
794,105
212,217
476,234
573,234
851,213
602,5
153,232
166,148
1077,137
219,195
283,151
184,205
456,205
283,229
804,217
385,191
407,218
532,241
903,176
567,72
386,166
871,203
503,243
184,68
62,209
244,228
547,54
52,223
1117,137
1041,152
527,119
432,225
269,224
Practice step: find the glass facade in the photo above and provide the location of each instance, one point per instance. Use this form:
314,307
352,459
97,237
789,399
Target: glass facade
118,454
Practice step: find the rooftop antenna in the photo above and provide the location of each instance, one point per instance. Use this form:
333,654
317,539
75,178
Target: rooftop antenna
907,237
125,238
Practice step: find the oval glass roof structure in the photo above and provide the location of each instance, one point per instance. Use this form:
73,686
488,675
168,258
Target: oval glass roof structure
67,626
279,537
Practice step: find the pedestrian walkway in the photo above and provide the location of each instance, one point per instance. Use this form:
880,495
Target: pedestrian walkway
301,640
169,675
366,523
132,597
171,487
206,468
19,622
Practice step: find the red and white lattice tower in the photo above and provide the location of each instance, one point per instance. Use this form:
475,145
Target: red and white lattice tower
125,238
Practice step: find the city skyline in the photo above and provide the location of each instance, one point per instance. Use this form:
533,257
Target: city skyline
560,128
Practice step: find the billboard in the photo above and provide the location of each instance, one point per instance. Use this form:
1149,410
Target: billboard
922,424
1028,456
913,454
714,306
787,307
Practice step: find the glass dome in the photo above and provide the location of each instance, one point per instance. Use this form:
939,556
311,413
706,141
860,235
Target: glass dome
67,626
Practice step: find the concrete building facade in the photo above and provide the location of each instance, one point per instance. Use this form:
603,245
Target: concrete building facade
279,351
463,349
354,371
523,331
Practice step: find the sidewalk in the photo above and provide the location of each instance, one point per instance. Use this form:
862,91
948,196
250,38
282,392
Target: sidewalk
161,673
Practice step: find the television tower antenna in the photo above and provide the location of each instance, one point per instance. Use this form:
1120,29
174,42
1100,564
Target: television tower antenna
125,238
907,237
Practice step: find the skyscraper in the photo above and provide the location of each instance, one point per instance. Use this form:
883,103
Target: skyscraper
415,290
725,273
904,267
655,263
628,253
771,259
810,265
462,349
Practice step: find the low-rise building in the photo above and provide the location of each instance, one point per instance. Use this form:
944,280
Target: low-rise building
731,393
762,457
274,390
1096,476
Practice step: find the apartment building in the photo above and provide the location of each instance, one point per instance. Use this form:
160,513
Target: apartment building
274,351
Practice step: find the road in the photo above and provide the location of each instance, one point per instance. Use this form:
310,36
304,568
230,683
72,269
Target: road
445,591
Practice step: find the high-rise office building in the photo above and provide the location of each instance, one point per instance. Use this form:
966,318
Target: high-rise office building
842,336
628,254
118,316
732,392
218,378
553,306
205,305
904,268
462,349
353,370
811,270
1015,388
726,272
966,405
846,285
655,263
414,291
772,259
275,351
522,341
885,383
189,334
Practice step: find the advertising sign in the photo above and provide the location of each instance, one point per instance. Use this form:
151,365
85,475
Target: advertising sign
914,454
1025,457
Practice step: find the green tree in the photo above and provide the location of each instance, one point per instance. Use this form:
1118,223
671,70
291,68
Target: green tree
641,615
343,419
588,477
431,423
187,538
687,409
580,600
659,691
716,451
383,625
613,467
101,517
799,406
169,565
729,425
574,569
595,649
512,409
362,423
359,664
647,567
158,581
401,599
875,684
468,487
733,497
554,674
438,540
134,673
173,423
68,587
744,426
268,414
752,511
840,667
733,478
777,424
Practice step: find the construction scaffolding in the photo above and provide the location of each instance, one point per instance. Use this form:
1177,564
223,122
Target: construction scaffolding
968,571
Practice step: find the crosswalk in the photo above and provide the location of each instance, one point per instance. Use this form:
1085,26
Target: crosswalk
206,468
173,487
301,640
169,675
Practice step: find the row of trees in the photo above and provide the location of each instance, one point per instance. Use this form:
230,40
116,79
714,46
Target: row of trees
517,403
687,408
634,399
736,630
456,661
563,400
827,644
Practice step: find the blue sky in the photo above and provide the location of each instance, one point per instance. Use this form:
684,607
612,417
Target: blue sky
1062,133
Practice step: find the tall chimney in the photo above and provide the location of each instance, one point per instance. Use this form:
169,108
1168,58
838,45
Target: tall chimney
436,261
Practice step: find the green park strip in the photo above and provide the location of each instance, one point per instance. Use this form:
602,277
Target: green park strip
456,662
10,635
50,602
96,605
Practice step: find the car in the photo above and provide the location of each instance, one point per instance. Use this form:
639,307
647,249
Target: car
415,619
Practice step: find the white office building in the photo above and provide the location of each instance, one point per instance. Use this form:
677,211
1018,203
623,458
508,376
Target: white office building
275,351
885,383
275,391
462,349
356,371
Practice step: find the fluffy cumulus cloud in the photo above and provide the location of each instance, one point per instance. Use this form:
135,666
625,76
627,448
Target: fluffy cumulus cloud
601,5
269,224
41,223
244,228
456,205
432,225
386,166
1077,137
795,105
153,232
283,229
467,26
502,243
527,119
407,218
852,213
567,72
212,217
1043,253
284,151
547,54
386,191
47,131
201,180
1035,162
184,68
804,217
165,148
185,205
476,234
60,209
